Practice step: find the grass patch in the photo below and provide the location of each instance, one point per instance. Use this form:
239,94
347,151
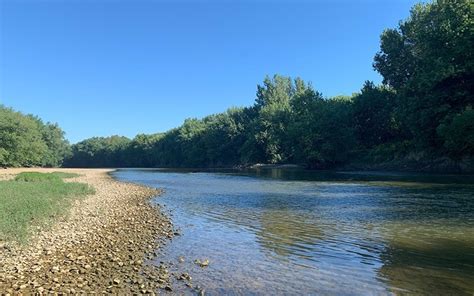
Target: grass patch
42,177
34,199
65,175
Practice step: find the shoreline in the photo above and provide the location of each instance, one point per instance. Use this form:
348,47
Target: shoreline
101,245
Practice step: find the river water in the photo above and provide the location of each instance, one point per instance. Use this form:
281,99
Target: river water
273,231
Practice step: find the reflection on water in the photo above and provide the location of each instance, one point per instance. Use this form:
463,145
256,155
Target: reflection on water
301,232
285,234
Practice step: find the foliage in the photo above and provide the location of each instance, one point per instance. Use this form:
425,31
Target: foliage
375,122
99,152
273,104
26,141
428,61
320,130
423,108
458,133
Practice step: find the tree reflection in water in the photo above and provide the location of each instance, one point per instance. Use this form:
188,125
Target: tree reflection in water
418,259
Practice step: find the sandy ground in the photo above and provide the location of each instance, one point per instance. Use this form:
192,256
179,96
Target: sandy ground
101,246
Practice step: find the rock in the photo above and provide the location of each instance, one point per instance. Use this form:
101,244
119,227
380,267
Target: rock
93,245
203,263
184,276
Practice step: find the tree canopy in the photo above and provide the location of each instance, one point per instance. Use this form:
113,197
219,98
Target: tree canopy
25,140
423,110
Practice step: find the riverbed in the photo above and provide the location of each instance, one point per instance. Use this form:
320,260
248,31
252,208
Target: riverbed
273,231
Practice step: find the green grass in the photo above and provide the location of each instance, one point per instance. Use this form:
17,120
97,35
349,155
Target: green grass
35,199
41,177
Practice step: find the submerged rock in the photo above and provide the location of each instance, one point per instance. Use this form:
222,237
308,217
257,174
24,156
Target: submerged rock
203,263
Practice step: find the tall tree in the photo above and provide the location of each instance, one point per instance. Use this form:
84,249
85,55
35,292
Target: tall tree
26,141
428,60
374,120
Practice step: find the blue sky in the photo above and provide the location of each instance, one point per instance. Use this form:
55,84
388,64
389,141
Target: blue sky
108,67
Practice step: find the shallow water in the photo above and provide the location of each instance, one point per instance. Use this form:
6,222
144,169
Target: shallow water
299,232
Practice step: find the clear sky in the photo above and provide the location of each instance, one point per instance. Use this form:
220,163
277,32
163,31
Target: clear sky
107,67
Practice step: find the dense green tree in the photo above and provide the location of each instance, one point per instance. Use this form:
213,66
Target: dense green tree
428,60
321,130
273,104
20,140
99,152
26,141
375,122
423,109
141,150
224,135
458,133
58,146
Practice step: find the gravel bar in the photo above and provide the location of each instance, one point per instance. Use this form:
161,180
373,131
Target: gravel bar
101,246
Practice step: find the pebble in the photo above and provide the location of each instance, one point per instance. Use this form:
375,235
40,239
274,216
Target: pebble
84,250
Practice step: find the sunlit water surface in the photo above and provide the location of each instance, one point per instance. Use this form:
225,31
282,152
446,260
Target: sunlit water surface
299,232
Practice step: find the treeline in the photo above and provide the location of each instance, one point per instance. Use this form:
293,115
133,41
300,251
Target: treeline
25,140
290,122
422,112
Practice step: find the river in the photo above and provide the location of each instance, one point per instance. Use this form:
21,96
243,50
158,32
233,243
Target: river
274,231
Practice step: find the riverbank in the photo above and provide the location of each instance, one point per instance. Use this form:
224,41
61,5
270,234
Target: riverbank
101,245
415,163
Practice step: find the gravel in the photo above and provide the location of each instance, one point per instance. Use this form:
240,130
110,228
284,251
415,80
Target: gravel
102,245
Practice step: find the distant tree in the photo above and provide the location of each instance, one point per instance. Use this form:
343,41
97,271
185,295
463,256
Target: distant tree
26,141
99,152
321,130
424,105
223,138
58,146
141,150
273,104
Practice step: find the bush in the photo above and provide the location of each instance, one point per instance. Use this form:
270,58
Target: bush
458,134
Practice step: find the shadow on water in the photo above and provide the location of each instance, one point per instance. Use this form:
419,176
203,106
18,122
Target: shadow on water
287,234
445,267
291,231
